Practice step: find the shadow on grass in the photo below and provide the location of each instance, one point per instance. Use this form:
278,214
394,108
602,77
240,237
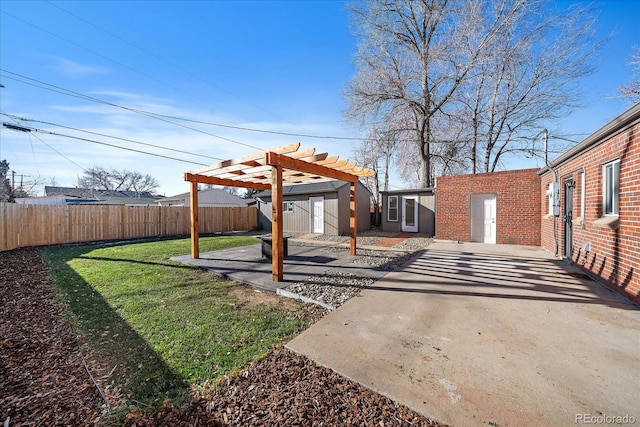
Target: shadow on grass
135,261
124,358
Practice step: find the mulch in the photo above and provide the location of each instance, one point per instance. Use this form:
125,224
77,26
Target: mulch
43,379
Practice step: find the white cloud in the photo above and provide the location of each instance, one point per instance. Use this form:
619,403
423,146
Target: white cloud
72,68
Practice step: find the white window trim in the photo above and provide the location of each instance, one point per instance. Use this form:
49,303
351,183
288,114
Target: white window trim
396,209
616,201
286,205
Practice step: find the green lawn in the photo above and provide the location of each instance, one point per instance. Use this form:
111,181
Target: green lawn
162,326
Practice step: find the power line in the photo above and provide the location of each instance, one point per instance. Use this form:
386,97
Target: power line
59,153
32,129
58,89
42,141
23,119
47,86
165,118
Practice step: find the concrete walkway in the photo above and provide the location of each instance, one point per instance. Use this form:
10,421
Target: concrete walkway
477,335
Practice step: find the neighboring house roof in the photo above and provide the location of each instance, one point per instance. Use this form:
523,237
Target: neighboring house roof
86,192
618,124
312,188
109,197
213,196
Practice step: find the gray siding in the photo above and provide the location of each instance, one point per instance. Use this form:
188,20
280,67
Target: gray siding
426,212
299,221
336,212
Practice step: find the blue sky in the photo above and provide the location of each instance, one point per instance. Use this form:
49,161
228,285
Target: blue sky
277,66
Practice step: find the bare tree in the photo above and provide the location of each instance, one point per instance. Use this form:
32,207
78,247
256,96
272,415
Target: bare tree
632,90
529,74
376,153
465,80
407,163
10,190
6,193
140,183
97,178
413,58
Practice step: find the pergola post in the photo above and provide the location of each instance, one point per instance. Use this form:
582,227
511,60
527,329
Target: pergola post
353,216
277,244
195,231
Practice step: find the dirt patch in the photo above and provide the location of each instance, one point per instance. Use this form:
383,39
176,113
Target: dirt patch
42,374
251,297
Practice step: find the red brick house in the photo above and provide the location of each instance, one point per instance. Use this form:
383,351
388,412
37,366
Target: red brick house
597,220
498,207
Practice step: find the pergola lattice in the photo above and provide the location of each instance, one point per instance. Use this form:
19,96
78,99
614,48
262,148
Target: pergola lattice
269,170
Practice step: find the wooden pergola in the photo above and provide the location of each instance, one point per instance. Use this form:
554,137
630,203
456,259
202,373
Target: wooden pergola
270,170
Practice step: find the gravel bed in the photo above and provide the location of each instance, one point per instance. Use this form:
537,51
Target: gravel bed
333,288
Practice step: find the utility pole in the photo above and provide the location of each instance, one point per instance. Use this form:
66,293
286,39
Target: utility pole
13,180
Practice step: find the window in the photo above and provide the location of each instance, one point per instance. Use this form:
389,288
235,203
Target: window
392,209
287,206
610,188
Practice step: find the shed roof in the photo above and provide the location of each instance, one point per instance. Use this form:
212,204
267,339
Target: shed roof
310,188
410,191
219,195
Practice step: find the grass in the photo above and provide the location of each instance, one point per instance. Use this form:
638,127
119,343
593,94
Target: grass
161,326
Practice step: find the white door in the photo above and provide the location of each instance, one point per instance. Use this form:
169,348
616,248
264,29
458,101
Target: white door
316,210
410,214
483,218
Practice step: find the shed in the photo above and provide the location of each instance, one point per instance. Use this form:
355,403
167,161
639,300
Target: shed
409,210
319,207
496,207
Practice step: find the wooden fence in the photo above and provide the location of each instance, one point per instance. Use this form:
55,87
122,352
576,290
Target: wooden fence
33,225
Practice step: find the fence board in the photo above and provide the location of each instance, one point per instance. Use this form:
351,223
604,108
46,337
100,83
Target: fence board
33,225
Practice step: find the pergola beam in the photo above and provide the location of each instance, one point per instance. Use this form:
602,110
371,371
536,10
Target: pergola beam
224,181
312,168
290,148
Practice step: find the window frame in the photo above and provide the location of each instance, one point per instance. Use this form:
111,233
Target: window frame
611,188
287,206
396,209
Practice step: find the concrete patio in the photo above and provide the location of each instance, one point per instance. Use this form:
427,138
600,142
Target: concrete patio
477,335
306,258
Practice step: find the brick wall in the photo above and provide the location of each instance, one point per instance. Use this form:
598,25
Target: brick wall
518,208
614,258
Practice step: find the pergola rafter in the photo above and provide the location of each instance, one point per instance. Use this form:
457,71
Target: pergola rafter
269,170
